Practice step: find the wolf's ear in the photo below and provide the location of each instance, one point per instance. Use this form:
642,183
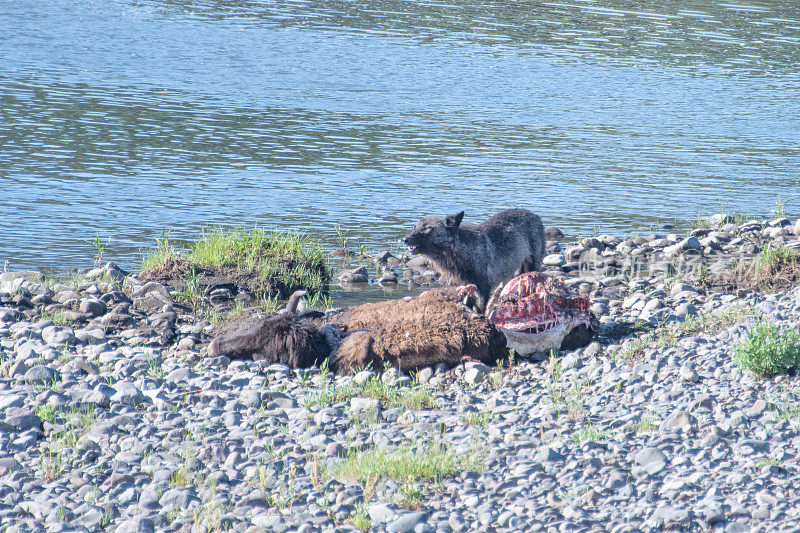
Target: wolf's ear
453,221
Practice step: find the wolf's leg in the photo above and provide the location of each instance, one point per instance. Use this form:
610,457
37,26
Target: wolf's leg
526,266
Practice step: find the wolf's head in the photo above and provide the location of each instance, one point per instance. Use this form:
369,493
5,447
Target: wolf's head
432,234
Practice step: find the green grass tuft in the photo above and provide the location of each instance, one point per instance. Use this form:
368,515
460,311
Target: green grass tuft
769,350
409,462
768,462
589,433
415,397
59,318
361,518
412,495
480,419
646,424
283,262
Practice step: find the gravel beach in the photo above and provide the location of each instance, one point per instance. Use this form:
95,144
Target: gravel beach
113,419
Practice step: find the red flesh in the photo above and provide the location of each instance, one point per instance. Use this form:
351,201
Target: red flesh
534,302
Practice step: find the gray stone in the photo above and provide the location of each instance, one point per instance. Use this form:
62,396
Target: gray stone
686,310
687,373
689,244
251,398
380,513
149,287
599,308
180,498
363,376
110,270
476,373
652,305
554,260
8,465
425,374
136,525
407,522
360,405
382,257
9,314
11,400
97,398
670,517
419,264
267,521
128,394
91,336
678,420
355,275
58,336
757,409
22,419
28,288
30,275
648,455
546,454
552,233
18,369
93,307
42,375
388,277
720,219
181,374
91,518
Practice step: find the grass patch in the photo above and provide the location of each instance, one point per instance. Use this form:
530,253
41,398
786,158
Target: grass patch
6,362
361,519
46,412
769,349
78,423
408,462
589,433
276,263
773,268
646,424
178,478
563,394
415,397
481,419
777,265
768,462
51,465
71,280
787,407
183,476
412,495
670,334
59,318
155,370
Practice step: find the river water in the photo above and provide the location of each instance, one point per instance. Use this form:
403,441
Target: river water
120,119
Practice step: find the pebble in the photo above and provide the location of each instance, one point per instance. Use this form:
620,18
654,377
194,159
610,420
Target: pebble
41,375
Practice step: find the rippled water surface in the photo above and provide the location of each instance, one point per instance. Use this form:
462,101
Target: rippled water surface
123,118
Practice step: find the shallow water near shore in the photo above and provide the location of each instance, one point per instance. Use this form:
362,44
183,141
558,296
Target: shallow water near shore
121,119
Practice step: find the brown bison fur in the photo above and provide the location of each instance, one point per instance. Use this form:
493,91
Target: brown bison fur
432,328
283,338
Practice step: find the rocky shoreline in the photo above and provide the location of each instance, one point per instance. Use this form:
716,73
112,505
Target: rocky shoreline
113,418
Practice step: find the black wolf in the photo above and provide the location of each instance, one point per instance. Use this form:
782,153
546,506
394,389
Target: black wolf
491,253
